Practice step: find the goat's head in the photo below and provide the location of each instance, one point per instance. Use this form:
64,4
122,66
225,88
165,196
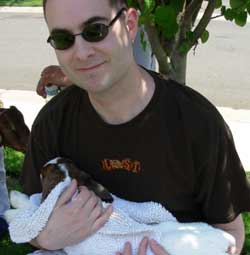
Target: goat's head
58,169
13,131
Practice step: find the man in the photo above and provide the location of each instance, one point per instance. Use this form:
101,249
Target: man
144,138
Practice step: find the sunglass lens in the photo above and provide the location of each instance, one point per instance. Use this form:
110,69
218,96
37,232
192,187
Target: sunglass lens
95,32
62,40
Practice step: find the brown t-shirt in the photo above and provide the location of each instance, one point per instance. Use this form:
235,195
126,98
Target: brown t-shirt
178,151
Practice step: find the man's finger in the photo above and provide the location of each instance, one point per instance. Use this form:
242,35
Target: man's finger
127,249
157,248
40,89
143,246
67,194
97,211
103,219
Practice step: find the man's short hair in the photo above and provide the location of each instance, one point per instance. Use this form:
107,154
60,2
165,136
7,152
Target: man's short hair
113,3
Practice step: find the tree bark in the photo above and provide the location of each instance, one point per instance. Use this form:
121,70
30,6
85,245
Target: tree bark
179,66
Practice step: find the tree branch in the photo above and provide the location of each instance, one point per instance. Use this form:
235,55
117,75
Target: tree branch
200,28
191,9
141,4
155,42
187,20
217,16
157,49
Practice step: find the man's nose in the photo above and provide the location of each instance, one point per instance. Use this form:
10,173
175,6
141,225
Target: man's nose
83,49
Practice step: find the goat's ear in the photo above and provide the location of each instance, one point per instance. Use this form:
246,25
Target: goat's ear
46,169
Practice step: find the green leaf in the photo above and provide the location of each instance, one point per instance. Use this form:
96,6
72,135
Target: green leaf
151,18
177,5
218,4
205,36
184,48
237,3
130,3
165,17
143,40
223,9
190,35
229,14
13,161
241,19
141,20
149,6
248,7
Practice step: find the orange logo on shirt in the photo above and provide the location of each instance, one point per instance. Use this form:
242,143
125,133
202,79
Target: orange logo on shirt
133,166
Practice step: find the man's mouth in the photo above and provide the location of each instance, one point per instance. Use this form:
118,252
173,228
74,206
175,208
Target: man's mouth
89,68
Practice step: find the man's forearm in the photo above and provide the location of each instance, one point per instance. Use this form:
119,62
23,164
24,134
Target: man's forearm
236,229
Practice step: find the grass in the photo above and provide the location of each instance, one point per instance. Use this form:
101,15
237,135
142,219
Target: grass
20,2
13,162
7,247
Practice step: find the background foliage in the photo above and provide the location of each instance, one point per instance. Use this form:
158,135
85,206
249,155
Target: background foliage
173,27
20,2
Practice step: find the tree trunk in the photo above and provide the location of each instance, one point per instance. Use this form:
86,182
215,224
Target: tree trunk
179,67
173,67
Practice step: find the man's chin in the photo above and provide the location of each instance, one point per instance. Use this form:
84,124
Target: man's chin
95,85
93,88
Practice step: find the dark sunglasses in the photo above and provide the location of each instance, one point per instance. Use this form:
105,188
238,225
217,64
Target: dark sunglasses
62,39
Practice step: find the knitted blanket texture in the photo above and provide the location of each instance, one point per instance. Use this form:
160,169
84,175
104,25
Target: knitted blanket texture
130,221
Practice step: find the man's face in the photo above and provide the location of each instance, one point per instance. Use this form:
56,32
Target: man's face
97,66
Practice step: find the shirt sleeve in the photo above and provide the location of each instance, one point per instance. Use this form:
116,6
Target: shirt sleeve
224,191
30,176
41,149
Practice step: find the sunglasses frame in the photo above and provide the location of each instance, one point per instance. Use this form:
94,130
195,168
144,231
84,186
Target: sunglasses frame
111,23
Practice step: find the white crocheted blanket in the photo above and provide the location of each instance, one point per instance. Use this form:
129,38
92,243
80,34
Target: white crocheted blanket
129,221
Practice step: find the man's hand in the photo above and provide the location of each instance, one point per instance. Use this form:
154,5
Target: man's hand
73,221
51,75
156,248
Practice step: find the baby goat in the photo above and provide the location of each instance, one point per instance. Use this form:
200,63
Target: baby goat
57,169
129,221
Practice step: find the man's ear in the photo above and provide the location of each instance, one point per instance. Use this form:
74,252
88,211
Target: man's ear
132,22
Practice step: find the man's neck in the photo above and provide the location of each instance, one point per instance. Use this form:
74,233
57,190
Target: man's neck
125,100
